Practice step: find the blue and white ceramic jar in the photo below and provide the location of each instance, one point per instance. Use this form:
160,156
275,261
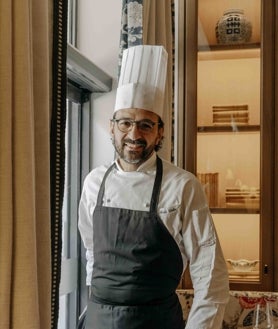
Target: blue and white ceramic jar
233,28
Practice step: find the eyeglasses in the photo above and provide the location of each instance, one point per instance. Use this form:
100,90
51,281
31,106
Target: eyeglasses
125,125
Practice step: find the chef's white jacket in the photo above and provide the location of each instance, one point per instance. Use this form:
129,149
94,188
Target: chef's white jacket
184,211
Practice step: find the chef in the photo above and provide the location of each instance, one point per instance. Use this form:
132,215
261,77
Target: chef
143,220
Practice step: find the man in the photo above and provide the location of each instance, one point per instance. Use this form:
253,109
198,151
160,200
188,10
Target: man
142,219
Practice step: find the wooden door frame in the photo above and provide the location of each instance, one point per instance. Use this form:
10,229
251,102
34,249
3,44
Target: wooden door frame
276,153
269,124
267,145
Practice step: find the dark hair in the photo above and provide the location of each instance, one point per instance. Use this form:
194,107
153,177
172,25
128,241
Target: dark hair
160,122
160,125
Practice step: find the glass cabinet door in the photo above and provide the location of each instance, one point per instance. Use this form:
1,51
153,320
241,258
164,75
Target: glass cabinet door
230,114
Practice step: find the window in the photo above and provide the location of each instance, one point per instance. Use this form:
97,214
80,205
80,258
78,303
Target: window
84,78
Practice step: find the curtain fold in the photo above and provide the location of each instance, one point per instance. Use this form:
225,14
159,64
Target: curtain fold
158,29
6,189
57,148
131,26
25,258
151,22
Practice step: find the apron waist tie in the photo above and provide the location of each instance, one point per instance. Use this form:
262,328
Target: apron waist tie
159,302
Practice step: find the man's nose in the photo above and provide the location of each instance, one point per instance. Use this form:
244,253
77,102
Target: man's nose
134,131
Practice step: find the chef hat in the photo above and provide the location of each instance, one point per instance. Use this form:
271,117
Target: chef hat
142,79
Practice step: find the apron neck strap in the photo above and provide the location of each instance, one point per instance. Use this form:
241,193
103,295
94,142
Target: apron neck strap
157,185
101,189
156,188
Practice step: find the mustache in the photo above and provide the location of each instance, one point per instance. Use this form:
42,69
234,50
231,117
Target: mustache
140,142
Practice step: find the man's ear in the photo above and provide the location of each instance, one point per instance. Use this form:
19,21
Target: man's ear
159,135
111,130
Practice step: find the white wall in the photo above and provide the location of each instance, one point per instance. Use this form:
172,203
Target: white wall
98,38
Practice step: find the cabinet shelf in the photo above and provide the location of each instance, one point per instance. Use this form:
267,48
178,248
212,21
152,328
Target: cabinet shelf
235,128
231,52
217,47
234,211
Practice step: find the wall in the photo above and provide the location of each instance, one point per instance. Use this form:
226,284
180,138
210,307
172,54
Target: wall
98,37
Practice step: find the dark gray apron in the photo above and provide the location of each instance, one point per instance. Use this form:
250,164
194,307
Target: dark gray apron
137,268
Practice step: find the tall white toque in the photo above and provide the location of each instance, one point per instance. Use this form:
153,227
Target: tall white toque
142,79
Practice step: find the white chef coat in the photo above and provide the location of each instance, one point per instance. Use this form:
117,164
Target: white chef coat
184,211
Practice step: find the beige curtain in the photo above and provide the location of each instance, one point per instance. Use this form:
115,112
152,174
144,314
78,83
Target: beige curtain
25,263
158,29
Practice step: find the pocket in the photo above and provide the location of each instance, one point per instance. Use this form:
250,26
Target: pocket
204,227
169,210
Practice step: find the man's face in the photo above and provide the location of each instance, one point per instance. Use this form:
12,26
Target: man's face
135,142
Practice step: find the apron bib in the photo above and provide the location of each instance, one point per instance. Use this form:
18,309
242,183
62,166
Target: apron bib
137,268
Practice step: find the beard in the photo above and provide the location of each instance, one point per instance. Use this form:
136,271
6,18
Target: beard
136,156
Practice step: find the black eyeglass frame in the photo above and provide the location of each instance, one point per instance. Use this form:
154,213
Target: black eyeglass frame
137,123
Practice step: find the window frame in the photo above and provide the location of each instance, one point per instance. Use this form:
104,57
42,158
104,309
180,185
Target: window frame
84,79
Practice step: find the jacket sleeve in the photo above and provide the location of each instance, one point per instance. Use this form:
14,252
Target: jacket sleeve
208,269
